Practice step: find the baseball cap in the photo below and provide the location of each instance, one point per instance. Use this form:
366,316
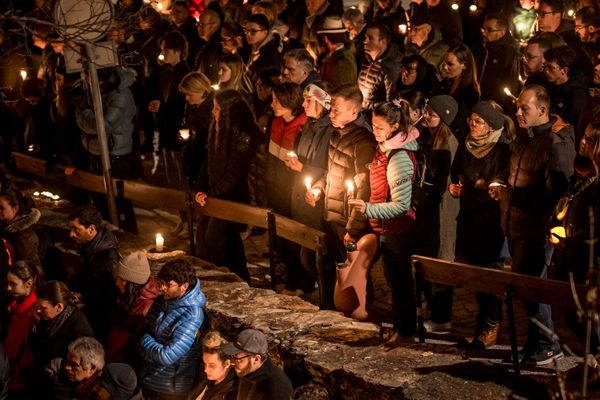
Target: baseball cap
248,341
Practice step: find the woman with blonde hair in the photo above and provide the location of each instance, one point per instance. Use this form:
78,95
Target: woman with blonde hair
231,73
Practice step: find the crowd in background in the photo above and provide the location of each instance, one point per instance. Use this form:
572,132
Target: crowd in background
466,132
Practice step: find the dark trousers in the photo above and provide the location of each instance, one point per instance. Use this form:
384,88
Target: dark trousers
296,276
396,251
529,258
219,242
336,253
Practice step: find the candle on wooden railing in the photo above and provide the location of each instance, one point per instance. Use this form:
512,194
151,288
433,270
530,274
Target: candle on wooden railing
160,243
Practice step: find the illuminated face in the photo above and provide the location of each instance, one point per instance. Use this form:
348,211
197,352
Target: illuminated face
477,126
382,130
312,108
255,35
342,112
554,73
195,98
278,109
206,26
179,14
293,72
80,233
224,73
46,310
431,119
452,67
374,44
533,59
18,287
171,290
587,143
585,32
230,42
418,34
548,20
215,369
7,212
172,57
529,114
408,74
74,369
491,31
245,363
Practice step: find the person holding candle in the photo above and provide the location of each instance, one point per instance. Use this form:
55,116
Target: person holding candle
480,162
231,144
351,149
389,210
284,132
310,163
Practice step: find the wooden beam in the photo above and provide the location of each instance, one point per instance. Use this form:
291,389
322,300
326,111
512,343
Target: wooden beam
525,288
235,212
299,233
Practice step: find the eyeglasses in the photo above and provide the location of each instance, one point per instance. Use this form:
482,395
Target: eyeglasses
490,30
253,31
542,14
162,284
580,27
550,67
237,360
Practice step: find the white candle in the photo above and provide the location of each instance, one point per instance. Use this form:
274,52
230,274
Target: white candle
402,28
291,154
350,187
308,182
184,134
509,93
215,86
161,57
23,73
160,243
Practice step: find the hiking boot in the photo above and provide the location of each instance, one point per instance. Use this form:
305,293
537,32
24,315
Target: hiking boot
486,337
398,340
542,356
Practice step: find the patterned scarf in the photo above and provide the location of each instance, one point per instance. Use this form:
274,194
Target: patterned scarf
482,145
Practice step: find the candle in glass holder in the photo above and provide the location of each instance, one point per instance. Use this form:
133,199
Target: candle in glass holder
160,243
184,134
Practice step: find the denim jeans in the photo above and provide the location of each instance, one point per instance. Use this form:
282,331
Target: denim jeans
529,258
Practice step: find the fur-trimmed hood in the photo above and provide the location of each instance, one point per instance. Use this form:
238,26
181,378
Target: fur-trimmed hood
23,221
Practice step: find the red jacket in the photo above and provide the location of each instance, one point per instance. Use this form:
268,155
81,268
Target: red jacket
15,344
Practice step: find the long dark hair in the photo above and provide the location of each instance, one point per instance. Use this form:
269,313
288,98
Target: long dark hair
465,56
25,271
396,112
56,292
127,300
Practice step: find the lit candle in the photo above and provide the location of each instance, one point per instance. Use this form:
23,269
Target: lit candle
184,134
570,13
161,57
160,243
454,6
308,182
159,6
215,87
291,154
509,93
23,74
350,187
473,7
402,28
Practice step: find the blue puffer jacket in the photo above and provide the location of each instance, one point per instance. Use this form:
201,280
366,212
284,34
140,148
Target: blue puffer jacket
170,345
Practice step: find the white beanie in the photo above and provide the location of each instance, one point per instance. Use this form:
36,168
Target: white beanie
134,268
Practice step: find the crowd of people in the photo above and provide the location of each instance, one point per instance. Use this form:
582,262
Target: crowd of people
460,131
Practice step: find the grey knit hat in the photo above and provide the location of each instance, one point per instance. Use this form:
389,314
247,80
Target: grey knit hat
134,268
445,106
493,117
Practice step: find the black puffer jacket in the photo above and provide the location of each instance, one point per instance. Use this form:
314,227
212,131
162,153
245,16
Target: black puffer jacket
540,167
197,119
377,77
96,281
351,150
267,382
569,100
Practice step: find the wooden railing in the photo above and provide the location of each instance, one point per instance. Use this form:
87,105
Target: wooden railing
159,197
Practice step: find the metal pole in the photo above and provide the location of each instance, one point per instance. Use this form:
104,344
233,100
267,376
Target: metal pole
100,130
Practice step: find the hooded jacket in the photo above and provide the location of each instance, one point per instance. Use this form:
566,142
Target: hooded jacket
540,167
119,110
391,179
377,76
169,344
23,238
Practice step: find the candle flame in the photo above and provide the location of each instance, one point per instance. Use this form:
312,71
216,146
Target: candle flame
23,74
350,185
308,182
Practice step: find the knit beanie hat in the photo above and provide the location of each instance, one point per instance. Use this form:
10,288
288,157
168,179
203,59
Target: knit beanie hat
493,117
119,380
445,106
134,268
